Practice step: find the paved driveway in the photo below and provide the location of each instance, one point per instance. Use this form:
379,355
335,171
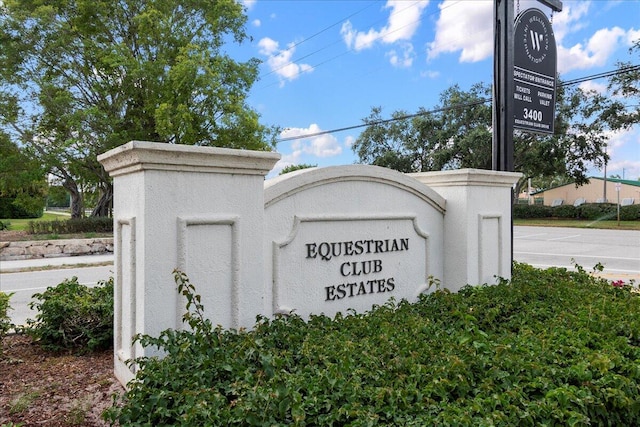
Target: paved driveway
617,250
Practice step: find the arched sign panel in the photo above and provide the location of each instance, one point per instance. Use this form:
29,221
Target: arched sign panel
535,62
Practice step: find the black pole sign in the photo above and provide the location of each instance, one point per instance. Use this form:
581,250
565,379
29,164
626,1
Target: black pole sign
534,72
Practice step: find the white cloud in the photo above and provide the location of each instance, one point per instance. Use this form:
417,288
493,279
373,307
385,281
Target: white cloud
402,24
633,36
279,61
623,148
591,85
431,74
248,3
594,53
622,139
349,141
286,160
319,146
268,46
403,57
464,26
467,27
256,22
571,19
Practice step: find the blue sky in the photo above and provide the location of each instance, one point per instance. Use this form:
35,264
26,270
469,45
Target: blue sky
326,63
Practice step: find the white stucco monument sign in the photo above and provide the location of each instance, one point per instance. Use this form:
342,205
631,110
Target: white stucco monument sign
321,240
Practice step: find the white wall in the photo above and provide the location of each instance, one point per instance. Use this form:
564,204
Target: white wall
248,245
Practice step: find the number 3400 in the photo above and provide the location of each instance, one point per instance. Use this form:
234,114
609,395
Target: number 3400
534,115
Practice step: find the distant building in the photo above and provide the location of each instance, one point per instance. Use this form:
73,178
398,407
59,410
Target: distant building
594,192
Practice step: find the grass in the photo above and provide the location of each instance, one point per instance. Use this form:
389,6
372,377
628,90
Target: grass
22,224
23,402
79,411
571,223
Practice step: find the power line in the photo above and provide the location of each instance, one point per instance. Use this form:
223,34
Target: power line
379,37
629,69
314,35
624,70
380,122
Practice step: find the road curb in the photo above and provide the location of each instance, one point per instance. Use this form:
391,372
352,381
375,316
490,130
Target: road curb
39,264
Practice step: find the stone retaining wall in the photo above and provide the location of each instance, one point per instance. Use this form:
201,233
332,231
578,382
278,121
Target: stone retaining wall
13,251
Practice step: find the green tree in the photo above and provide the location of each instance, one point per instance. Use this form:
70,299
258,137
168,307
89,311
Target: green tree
457,134
23,185
80,77
623,111
407,143
293,168
467,131
578,144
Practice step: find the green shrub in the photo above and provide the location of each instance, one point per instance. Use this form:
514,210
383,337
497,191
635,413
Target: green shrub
72,315
5,321
630,213
4,225
58,197
531,211
71,226
564,211
549,347
10,209
597,211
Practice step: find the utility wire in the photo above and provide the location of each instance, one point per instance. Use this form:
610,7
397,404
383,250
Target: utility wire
624,70
314,35
379,37
380,122
629,69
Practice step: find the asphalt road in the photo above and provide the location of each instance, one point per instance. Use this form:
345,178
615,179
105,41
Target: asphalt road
25,284
617,250
543,247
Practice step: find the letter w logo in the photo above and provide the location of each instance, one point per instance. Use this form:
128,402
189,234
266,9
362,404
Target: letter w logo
536,39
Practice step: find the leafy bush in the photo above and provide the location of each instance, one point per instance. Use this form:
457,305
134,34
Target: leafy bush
10,208
564,211
597,211
5,321
4,225
531,211
70,226
630,213
549,347
58,197
72,315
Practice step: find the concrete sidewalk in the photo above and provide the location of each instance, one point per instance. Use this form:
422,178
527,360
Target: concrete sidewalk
54,262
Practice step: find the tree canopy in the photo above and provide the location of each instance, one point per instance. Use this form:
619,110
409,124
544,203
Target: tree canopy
624,109
293,168
79,77
23,186
457,133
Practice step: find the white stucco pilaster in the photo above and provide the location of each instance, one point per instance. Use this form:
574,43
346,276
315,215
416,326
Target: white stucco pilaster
198,209
477,224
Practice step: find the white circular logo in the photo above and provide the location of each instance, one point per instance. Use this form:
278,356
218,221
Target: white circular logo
536,39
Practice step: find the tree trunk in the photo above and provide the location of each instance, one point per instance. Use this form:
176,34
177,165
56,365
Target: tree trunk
103,207
77,208
518,189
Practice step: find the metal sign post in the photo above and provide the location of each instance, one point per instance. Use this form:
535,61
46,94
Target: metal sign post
503,87
502,158
618,186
